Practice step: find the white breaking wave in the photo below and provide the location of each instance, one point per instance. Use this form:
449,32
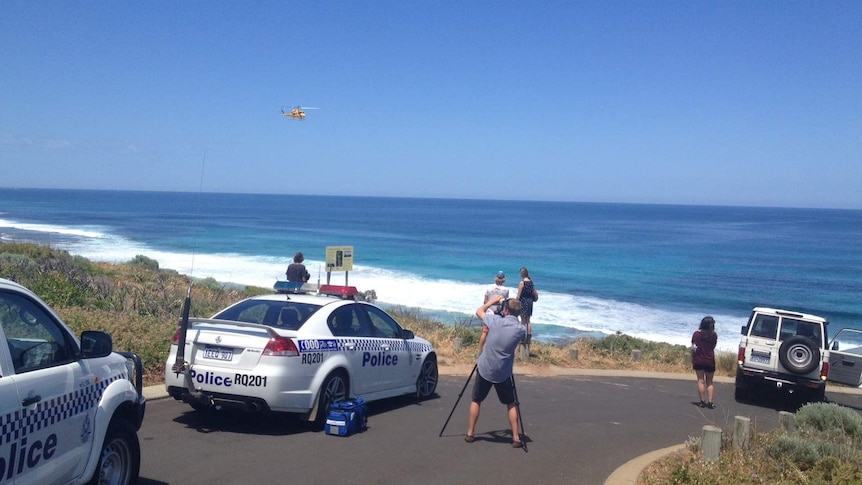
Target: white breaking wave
85,231
587,314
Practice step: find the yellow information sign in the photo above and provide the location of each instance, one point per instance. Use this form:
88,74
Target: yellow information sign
339,258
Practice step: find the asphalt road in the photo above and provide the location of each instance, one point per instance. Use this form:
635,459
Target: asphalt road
579,429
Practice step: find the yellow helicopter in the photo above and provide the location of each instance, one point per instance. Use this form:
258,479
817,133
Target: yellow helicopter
296,113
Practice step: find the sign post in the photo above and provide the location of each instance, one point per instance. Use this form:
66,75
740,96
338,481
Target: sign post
339,258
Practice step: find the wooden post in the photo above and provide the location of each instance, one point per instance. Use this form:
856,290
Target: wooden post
710,442
787,422
741,432
573,354
636,355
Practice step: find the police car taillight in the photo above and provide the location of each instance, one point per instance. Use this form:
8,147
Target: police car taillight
281,347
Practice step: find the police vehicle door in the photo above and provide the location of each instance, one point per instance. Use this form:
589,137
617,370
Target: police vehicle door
10,410
55,397
398,367
354,332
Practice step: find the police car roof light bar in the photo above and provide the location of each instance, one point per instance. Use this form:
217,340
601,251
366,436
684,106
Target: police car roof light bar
287,287
345,292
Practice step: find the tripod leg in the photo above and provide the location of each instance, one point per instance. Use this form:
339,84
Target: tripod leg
520,418
459,399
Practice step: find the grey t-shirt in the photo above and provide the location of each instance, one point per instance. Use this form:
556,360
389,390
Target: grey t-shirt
498,356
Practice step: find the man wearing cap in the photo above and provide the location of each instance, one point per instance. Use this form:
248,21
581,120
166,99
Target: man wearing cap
495,289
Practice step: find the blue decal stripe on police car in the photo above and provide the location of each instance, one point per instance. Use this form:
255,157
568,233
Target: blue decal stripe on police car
19,423
8,427
368,344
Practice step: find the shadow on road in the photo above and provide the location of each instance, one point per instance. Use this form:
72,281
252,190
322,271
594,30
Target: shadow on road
209,420
147,481
790,403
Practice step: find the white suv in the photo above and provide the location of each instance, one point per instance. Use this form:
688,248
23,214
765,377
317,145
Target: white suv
783,350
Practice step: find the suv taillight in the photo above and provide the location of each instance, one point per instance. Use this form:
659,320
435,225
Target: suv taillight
824,371
281,347
740,356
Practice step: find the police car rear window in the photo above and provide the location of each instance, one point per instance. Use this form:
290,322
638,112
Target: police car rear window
288,315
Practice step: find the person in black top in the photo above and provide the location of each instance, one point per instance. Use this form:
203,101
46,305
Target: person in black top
527,294
296,271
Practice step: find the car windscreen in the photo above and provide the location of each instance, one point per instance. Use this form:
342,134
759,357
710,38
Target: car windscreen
284,314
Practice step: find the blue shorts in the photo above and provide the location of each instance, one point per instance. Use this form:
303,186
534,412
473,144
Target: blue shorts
505,390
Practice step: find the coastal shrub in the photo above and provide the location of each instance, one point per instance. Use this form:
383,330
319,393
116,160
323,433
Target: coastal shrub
829,421
141,260
32,251
469,335
18,268
58,290
149,337
210,283
797,450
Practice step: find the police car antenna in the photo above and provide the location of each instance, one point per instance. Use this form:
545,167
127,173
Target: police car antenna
180,364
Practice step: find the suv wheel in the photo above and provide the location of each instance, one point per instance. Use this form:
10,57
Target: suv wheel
799,355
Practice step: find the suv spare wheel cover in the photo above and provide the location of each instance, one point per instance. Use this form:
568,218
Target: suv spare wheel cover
799,355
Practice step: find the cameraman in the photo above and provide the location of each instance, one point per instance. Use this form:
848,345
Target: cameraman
501,334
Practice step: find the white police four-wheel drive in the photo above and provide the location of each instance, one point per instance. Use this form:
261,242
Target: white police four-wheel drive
298,352
69,409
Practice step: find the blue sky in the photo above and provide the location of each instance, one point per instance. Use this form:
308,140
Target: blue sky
690,102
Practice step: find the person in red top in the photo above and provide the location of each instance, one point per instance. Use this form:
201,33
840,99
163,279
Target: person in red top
703,360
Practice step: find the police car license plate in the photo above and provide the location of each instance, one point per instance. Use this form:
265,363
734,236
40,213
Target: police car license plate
218,353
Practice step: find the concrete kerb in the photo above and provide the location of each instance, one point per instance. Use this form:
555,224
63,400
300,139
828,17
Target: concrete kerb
628,473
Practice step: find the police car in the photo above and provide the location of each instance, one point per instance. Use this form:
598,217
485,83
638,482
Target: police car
297,351
69,409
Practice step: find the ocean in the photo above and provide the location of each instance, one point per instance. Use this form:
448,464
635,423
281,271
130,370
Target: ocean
651,271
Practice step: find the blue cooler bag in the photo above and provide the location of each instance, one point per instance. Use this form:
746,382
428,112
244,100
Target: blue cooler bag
347,417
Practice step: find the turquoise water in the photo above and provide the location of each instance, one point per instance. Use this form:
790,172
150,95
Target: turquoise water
647,270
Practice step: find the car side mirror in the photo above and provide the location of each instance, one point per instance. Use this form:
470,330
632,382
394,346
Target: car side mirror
744,330
407,334
835,345
95,344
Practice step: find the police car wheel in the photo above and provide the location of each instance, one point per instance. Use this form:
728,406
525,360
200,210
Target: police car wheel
334,389
426,383
120,459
